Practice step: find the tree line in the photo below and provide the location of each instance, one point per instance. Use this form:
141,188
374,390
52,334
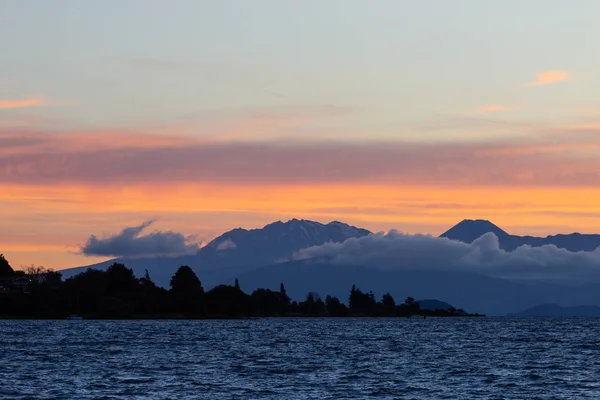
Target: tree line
117,293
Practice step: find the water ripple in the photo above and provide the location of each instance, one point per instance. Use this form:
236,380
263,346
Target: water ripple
488,358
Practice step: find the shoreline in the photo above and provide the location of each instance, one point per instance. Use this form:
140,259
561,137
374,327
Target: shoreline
225,318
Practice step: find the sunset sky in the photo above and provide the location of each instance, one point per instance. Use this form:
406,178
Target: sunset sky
211,115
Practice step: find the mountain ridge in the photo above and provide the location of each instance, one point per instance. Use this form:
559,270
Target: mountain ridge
239,249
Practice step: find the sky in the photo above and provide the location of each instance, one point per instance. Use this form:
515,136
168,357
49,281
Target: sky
203,116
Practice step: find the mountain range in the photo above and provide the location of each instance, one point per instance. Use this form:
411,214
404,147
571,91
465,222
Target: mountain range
238,251
263,258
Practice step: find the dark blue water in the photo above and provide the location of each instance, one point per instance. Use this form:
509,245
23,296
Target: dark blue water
487,358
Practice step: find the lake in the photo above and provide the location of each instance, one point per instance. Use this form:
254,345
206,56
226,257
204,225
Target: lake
436,358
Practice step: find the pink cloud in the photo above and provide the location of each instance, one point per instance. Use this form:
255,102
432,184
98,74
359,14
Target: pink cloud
558,158
23,103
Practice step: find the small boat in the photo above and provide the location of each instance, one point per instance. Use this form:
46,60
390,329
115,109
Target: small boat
75,317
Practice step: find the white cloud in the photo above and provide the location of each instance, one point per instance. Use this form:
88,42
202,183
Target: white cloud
396,250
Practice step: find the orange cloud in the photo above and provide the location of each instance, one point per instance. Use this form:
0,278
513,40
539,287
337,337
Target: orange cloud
549,77
590,126
30,102
68,182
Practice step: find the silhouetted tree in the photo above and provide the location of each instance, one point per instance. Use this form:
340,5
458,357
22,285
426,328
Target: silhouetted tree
187,290
294,308
335,308
285,299
152,299
352,299
387,305
237,284
266,303
283,293
362,303
44,285
35,273
388,301
5,268
225,300
40,275
313,305
121,283
82,292
410,306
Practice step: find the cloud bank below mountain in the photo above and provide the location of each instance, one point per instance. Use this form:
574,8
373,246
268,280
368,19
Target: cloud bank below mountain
395,250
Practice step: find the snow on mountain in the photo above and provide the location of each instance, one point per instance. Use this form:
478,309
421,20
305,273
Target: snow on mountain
239,250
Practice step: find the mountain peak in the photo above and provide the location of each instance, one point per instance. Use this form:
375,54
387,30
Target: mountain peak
290,223
470,229
277,240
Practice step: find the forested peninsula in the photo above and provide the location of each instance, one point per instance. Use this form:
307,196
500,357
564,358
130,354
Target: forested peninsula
117,294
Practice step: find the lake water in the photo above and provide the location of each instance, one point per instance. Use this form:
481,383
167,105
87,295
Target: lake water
436,358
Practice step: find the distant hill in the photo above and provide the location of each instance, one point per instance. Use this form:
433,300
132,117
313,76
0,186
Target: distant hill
239,250
434,305
470,291
468,230
554,310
